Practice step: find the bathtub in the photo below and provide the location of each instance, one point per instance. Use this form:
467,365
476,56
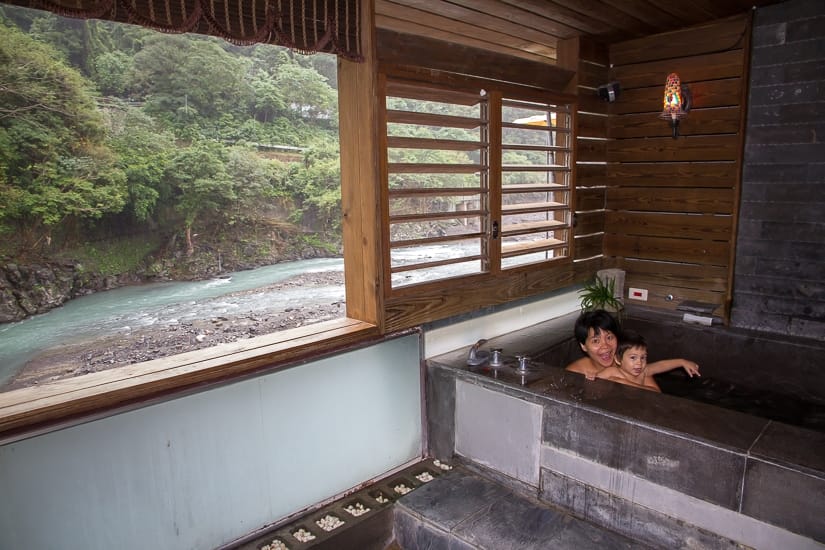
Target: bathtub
662,468
765,375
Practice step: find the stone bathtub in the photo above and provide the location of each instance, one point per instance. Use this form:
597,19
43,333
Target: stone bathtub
667,470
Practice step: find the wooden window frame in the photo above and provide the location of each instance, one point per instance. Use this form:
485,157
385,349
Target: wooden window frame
38,409
414,305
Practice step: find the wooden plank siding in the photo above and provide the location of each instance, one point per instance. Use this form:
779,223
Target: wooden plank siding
671,204
590,61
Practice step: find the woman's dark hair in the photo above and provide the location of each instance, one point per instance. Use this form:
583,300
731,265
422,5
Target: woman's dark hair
629,339
598,320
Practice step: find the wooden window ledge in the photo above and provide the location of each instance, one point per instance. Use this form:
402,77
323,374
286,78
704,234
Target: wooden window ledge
50,406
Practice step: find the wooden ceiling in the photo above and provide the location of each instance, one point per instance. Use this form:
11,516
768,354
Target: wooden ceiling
531,29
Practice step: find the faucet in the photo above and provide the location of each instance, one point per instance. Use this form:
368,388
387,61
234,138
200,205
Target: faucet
476,356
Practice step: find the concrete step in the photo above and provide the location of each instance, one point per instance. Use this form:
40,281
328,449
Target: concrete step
463,510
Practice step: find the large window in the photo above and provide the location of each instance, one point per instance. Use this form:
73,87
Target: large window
197,182
476,182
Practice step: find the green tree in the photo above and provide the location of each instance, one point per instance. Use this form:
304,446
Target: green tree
110,69
254,179
189,81
54,163
203,184
306,92
316,188
144,153
269,97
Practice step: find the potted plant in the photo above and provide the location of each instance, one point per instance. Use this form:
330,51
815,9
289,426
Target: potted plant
601,294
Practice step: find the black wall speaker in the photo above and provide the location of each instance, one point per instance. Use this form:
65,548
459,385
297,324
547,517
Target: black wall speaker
610,91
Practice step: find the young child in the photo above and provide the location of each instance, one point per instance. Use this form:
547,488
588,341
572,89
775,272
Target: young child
630,363
596,332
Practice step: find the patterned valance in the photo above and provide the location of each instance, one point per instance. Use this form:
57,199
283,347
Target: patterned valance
331,26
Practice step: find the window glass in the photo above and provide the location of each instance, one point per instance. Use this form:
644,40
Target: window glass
197,182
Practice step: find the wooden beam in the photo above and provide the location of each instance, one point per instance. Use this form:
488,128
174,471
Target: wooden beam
398,49
452,16
360,178
711,37
405,19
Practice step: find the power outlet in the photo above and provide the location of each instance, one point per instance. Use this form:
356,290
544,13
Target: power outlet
637,294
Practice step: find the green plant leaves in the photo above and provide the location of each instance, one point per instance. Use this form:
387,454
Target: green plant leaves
599,294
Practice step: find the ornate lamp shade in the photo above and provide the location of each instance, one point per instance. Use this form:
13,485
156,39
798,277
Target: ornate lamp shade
676,102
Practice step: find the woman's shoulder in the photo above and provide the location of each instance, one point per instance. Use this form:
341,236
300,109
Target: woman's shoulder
583,366
610,372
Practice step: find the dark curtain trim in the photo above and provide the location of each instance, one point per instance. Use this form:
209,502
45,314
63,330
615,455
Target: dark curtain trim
308,26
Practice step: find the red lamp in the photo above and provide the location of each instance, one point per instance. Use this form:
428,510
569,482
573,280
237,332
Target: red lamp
676,102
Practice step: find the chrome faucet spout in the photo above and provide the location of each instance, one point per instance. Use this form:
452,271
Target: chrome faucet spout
476,356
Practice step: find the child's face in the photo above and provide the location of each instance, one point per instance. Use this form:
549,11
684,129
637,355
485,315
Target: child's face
600,347
633,361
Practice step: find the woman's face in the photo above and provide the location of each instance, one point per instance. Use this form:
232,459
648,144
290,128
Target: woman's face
600,346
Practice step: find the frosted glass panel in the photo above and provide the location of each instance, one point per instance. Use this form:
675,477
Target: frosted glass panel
202,470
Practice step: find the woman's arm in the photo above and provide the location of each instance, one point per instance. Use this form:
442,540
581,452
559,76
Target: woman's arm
665,365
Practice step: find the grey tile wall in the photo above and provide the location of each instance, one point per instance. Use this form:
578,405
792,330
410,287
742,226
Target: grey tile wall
779,282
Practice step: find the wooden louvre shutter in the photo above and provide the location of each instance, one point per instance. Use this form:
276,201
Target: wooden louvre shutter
536,155
437,176
476,182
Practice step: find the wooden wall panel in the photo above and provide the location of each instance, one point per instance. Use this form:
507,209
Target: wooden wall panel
712,278
716,36
705,148
590,60
591,150
591,125
670,199
705,94
675,225
672,204
712,66
588,199
672,174
588,223
591,246
723,120
667,249
590,175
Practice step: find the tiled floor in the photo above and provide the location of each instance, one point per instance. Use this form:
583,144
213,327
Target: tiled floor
442,507
360,521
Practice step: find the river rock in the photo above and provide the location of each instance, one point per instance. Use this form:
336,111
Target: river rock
37,288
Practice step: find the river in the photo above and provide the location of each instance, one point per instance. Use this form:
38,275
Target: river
126,308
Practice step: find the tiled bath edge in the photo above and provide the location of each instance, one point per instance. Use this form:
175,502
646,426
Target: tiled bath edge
580,477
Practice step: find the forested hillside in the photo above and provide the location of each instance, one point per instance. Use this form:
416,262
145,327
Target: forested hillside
149,155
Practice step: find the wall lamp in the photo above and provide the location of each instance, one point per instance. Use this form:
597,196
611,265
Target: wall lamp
677,102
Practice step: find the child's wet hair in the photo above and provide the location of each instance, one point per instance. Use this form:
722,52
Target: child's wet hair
598,320
629,339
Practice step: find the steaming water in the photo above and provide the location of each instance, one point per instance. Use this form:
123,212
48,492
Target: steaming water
133,307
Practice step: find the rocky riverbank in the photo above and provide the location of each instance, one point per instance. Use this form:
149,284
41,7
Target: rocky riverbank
145,344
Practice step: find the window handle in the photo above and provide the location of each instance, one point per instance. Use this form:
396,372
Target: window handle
495,230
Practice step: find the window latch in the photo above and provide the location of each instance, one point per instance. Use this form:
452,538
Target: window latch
495,230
